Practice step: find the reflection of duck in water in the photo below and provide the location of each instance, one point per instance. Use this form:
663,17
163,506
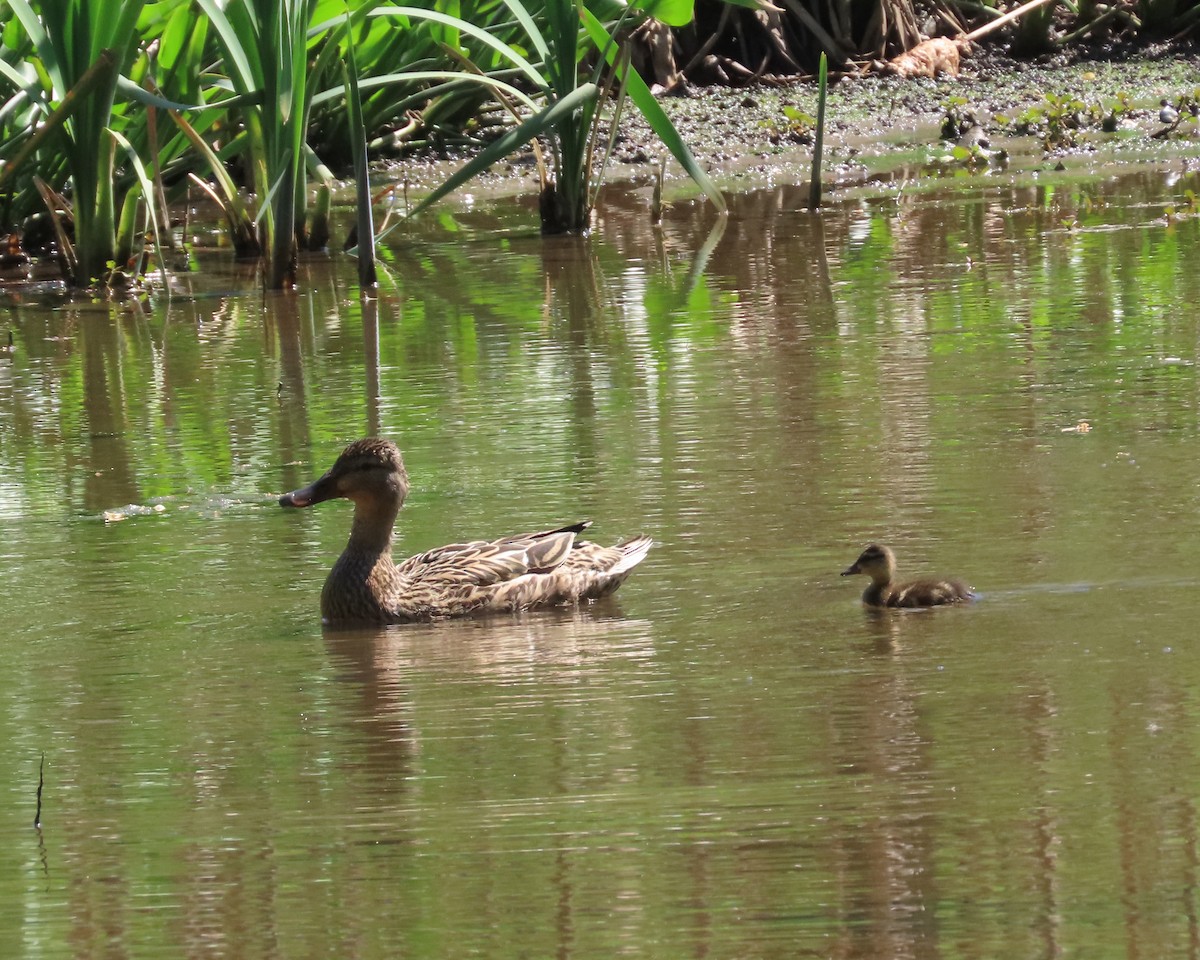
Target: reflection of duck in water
879,563
521,572
556,645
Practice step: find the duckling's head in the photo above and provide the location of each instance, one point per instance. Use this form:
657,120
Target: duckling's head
369,472
878,563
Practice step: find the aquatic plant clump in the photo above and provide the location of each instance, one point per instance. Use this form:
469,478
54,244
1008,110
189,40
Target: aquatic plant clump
270,101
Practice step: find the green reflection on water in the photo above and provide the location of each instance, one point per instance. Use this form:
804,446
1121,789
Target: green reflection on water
730,759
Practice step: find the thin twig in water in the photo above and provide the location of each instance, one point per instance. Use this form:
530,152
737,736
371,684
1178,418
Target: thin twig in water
37,817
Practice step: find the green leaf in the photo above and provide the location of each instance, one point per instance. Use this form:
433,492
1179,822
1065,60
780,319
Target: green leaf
480,34
246,79
131,91
144,182
525,19
365,221
394,79
797,116
674,13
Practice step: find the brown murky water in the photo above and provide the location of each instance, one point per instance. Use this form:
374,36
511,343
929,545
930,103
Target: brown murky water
730,760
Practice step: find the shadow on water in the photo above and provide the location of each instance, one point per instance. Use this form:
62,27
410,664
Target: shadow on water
735,760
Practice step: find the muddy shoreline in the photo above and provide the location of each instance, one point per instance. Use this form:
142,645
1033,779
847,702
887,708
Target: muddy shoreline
745,137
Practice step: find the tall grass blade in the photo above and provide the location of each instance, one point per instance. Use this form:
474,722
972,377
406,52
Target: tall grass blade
126,229
146,187
266,45
367,277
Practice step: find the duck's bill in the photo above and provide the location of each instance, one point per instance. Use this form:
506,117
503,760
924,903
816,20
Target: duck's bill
307,496
851,570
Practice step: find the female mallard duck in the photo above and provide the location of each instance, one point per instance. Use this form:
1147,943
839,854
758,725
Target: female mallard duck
516,573
879,563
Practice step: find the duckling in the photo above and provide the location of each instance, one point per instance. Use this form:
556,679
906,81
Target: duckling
879,563
526,571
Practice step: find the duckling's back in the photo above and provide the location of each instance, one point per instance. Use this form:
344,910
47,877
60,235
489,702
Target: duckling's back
921,593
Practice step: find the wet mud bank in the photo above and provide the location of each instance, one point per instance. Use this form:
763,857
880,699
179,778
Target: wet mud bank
999,113
1082,111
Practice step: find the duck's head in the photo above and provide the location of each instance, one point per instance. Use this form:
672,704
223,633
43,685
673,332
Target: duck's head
369,472
878,563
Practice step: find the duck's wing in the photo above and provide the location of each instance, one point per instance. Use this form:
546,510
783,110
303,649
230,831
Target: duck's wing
484,563
569,528
515,573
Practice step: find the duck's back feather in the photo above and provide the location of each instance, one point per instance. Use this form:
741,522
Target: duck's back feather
921,593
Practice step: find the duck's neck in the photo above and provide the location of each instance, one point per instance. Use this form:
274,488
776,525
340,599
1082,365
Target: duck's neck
881,578
371,531
880,587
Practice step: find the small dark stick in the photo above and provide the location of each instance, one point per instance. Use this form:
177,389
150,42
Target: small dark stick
37,817
656,197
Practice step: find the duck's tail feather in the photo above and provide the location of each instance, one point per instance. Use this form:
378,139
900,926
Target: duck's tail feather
609,573
633,552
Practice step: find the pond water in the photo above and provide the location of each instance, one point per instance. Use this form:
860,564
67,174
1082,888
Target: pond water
732,758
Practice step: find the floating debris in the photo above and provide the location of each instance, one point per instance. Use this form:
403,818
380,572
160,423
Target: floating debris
132,510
